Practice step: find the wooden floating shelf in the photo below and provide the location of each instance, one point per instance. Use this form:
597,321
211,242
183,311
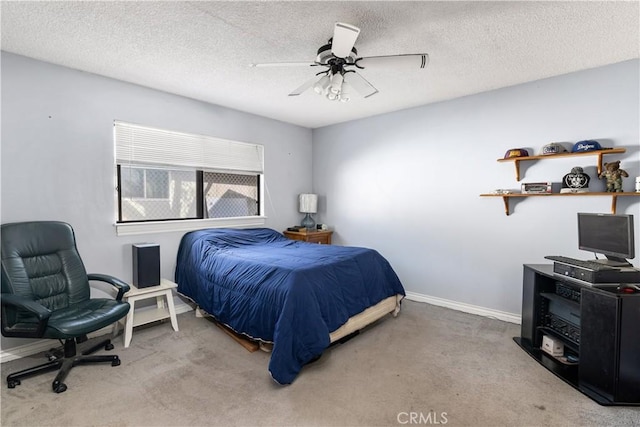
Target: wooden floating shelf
614,197
598,153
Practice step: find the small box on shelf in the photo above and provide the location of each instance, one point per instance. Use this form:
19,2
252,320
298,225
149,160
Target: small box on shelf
552,346
536,188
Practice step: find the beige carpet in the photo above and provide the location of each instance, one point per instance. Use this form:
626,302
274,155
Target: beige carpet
430,365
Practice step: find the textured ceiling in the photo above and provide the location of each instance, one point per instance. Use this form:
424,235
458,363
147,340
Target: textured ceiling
203,49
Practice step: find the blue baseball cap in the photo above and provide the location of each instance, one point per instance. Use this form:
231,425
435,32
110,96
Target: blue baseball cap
586,145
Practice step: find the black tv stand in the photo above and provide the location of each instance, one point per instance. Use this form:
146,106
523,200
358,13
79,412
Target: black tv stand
596,323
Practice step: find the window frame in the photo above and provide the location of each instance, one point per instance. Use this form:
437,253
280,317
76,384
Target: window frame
125,228
132,227
184,225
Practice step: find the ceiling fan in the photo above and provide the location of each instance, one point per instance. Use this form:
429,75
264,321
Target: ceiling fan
340,59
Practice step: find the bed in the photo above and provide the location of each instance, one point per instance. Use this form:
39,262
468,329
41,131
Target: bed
298,296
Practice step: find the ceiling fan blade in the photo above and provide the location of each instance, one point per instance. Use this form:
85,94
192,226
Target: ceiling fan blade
414,60
304,86
344,37
284,64
360,84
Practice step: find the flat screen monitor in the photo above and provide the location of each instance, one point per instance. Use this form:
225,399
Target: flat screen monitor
607,234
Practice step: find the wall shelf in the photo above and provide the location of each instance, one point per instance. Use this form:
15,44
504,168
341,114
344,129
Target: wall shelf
614,197
598,153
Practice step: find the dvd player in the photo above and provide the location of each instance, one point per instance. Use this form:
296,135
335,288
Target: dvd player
615,275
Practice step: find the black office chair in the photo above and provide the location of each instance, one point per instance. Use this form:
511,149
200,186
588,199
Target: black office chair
46,294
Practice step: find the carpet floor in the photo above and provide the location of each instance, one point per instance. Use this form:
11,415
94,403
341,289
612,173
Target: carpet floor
428,366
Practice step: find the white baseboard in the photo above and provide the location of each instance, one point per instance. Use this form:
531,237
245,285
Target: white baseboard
467,308
182,307
44,345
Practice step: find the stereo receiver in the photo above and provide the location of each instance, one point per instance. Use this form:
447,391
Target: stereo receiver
616,275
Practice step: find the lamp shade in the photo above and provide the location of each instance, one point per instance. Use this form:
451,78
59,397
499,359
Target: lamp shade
308,203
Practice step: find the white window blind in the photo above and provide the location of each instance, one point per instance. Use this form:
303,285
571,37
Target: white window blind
143,145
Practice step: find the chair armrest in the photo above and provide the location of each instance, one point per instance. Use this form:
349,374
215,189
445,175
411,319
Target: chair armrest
31,306
121,286
39,310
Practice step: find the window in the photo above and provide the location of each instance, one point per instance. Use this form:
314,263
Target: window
170,176
141,183
151,194
230,195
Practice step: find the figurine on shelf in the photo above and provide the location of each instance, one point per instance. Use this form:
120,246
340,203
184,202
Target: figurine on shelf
575,181
613,174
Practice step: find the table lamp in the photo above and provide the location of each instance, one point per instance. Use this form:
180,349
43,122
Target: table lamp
308,205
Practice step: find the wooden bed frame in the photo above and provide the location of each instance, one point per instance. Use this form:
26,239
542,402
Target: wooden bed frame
390,305
368,316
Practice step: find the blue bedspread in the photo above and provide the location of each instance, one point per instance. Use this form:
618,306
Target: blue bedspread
283,291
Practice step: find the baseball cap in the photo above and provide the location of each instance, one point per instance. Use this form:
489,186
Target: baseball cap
586,145
516,152
553,148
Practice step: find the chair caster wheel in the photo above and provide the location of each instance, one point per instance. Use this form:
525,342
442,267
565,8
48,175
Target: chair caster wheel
13,383
59,387
108,346
52,355
115,362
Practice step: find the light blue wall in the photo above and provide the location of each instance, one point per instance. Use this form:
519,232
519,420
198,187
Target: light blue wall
408,183
58,154
405,183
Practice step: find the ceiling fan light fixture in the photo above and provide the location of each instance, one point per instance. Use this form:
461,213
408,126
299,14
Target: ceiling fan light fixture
339,57
345,93
336,83
322,85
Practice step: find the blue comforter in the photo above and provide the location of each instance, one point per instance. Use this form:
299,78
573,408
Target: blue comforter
283,291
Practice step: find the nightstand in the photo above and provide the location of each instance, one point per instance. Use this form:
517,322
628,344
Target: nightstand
162,293
321,236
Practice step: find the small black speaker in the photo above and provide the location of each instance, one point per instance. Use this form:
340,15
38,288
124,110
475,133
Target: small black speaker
146,265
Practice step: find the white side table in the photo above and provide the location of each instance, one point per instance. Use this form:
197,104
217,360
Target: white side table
160,292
